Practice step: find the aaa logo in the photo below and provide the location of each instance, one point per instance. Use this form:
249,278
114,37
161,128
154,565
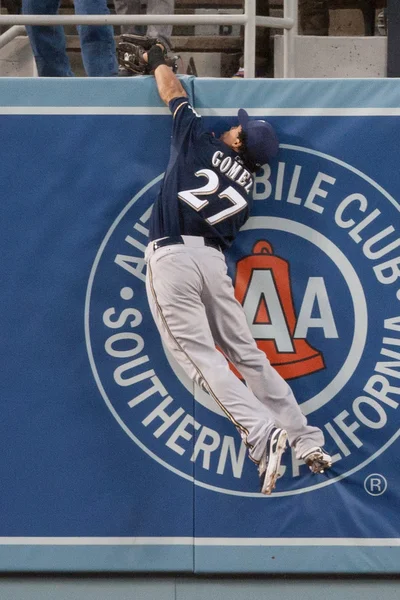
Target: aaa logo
263,287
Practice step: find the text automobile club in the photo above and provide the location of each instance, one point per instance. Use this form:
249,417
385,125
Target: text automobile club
168,421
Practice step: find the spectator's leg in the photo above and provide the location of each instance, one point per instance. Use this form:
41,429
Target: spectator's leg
48,43
161,7
97,43
314,17
128,7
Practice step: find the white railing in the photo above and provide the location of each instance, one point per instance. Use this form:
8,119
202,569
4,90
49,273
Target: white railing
248,19
10,34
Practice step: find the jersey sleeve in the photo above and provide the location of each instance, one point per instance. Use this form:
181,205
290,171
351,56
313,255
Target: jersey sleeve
186,122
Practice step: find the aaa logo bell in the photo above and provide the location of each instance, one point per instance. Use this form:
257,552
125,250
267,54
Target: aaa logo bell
262,286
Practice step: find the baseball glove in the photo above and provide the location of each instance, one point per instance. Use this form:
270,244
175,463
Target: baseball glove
130,52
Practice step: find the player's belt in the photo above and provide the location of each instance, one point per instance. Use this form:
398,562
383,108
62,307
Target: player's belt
178,239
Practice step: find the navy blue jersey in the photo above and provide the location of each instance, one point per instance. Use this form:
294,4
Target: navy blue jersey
207,190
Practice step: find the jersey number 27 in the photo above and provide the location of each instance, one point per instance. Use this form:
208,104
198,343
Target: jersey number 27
191,197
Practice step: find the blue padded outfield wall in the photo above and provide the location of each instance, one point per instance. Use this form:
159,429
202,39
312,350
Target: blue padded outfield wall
110,459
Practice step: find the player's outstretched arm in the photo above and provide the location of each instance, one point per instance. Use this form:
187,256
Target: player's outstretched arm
168,85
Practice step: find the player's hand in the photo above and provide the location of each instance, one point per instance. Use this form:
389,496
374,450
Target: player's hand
145,55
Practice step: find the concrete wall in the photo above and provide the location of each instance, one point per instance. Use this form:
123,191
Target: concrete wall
16,59
317,57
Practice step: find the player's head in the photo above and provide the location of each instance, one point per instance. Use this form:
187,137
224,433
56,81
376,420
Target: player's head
258,140
255,140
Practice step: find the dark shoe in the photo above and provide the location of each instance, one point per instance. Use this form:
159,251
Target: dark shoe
239,74
122,72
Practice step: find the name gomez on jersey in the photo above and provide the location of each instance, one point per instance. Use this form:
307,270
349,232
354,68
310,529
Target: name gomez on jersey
206,187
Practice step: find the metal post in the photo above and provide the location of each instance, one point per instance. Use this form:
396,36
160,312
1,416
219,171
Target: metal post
289,38
393,33
275,22
250,38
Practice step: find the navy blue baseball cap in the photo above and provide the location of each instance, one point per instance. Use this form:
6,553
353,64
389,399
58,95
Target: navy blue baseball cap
262,141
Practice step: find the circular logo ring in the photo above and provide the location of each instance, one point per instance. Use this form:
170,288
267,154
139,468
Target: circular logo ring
126,428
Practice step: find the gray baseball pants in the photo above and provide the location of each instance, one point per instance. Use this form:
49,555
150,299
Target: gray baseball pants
192,301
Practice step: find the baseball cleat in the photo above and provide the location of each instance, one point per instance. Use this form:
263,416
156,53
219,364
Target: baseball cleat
270,462
317,459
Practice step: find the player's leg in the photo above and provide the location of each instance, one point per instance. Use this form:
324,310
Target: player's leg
231,332
174,287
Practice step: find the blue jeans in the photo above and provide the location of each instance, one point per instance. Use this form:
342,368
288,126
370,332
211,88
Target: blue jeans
48,43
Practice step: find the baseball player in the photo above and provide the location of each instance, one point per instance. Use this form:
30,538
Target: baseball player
206,196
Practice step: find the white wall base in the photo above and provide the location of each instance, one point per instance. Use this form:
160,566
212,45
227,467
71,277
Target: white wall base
109,587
